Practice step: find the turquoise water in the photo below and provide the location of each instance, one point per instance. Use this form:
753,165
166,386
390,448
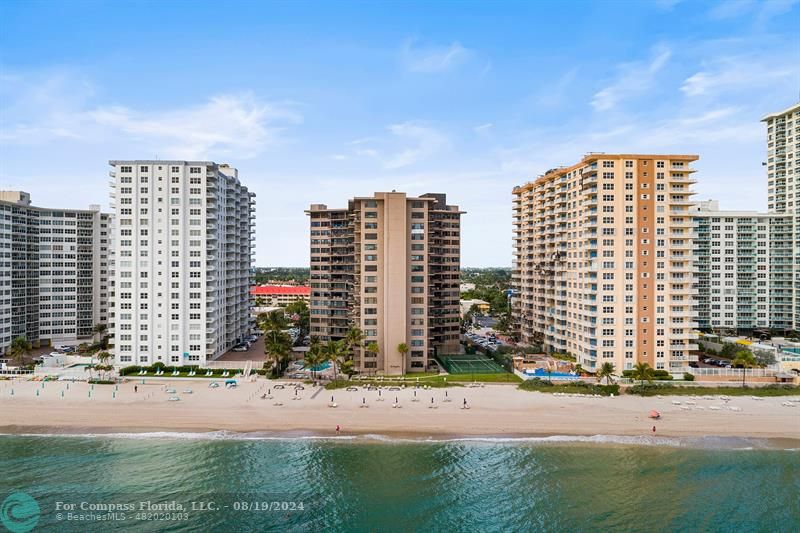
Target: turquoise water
364,484
542,373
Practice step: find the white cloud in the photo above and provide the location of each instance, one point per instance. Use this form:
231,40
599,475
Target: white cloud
429,59
483,128
230,123
634,78
761,11
736,73
42,108
409,143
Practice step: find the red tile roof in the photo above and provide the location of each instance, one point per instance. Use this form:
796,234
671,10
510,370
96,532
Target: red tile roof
275,290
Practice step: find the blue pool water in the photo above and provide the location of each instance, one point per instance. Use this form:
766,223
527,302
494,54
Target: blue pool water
542,373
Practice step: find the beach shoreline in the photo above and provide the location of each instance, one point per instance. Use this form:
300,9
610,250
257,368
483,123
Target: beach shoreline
496,412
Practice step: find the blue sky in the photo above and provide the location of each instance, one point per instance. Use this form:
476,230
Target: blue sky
316,102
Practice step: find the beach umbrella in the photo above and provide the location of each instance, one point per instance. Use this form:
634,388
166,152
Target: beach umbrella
655,414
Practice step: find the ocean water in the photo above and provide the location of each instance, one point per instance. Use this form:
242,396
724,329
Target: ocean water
226,482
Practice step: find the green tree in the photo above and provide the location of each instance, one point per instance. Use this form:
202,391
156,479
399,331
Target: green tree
642,371
274,320
373,348
402,349
764,357
314,357
298,309
336,352
259,301
19,349
99,329
744,359
606,370
278,346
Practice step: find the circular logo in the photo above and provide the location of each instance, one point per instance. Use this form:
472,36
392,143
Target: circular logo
19,512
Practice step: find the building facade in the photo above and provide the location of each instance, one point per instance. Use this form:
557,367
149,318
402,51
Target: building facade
783,182
603,261
390,265
54,271
743,269
183,254
280,295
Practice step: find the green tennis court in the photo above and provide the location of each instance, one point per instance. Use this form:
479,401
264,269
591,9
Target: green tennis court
470,364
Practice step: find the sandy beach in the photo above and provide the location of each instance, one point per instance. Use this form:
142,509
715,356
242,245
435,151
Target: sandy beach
495,410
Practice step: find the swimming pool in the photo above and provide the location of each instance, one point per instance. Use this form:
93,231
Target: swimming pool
317,368
542,373
795,351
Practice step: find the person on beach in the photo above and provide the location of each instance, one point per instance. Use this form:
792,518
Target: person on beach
136,388
654,430
338,429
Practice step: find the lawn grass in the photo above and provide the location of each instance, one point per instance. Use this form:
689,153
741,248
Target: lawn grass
539,385
431,380
676,390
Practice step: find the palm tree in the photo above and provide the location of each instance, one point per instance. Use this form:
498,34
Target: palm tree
18,349
314,357
744,360
354,337
372,347
278,345
335,352
606,370
642,372
99,329
103,358
274,320
402,348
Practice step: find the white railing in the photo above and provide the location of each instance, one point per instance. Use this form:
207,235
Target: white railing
226,364
751,372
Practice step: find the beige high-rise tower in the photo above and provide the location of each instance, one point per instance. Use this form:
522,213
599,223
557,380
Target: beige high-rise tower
603,261
783,180
388,264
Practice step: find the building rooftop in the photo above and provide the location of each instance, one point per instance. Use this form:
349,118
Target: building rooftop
789,109
277,290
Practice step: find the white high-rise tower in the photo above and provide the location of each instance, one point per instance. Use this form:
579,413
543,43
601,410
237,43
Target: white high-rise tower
182,261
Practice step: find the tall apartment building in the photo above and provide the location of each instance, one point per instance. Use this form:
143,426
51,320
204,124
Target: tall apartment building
54,266
604,259
743,269
390,265
182,271
783,181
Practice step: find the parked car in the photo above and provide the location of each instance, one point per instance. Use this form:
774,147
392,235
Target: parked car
240,348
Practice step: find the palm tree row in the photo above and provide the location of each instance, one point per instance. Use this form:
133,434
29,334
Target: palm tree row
277,343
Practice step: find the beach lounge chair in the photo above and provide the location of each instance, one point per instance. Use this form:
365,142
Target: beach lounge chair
174,399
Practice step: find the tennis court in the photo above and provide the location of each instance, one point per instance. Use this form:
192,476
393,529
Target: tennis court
470,364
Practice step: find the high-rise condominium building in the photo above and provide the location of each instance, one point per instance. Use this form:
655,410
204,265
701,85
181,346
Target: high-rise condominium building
182,262
603,260
743,269
388,264
783,181
54,268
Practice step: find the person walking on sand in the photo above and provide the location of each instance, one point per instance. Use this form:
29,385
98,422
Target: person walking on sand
136,388
654,430
338,429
